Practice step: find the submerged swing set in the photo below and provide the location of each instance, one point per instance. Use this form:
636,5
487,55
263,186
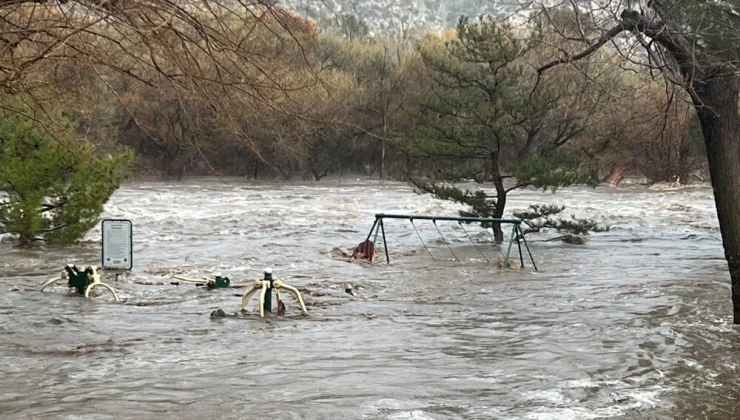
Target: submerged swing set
516,233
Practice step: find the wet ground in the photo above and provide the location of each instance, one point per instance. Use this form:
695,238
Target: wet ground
634,324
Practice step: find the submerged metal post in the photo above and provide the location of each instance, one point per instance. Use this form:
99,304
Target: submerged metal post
372,229
524,239
267,282
511,242
385,244
518,244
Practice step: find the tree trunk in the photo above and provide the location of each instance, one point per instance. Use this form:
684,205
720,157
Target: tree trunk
498,182
382,160
314,172
616,176
382,143
717,110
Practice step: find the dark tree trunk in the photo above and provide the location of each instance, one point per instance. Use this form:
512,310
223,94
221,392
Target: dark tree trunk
382,156
717,109
498,213
317,174
256,168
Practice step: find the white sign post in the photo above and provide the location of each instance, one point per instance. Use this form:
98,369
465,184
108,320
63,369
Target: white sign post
118,247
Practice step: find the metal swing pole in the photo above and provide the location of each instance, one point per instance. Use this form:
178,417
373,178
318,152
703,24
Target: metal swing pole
377,232
518,244
524,238
372,229
508,251
385,244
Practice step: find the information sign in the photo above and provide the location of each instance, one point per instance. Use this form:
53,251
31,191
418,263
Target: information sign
118,252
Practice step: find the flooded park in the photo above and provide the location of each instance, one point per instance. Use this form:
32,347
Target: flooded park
635,324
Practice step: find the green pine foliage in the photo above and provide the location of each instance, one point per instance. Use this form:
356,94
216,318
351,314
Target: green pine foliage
542,216
52,188
489,118
537,217
480,204
475,76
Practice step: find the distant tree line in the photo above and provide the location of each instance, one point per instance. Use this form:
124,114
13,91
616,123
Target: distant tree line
249,89
256,91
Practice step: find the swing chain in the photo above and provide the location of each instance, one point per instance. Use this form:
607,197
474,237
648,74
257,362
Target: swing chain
444,240
422,240
473,242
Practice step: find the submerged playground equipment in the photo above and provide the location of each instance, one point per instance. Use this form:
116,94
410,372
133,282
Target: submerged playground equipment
116,254
266,286
516,233
83,281
218,282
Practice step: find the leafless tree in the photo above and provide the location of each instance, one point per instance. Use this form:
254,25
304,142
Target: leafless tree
694,44
231,54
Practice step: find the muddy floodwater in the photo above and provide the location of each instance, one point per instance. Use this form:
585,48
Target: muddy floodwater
634,324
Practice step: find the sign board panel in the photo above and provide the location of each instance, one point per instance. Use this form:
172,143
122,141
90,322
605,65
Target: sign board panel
118,247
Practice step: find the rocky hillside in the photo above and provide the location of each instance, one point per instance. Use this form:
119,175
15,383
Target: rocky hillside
403,15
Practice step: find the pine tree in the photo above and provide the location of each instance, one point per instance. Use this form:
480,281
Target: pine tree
491,122
54,187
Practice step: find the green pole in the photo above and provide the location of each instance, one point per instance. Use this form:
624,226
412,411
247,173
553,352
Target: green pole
519,233
385,244
511,242
268,300
267,306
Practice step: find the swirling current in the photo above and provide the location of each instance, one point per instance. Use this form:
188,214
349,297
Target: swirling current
634,324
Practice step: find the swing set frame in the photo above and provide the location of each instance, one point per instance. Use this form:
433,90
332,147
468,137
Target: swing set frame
516,233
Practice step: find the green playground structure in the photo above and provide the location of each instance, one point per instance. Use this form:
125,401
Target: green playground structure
516,233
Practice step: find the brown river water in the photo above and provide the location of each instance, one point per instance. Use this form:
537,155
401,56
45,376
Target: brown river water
634,324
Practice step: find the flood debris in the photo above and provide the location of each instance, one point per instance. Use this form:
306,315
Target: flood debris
510,265
218,313
573,240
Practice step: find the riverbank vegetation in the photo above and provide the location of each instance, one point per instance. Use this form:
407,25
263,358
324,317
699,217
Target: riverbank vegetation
259,92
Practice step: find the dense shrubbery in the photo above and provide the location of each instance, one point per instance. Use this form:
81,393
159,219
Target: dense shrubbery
269,94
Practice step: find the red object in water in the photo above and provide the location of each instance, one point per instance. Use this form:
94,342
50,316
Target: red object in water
364,251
